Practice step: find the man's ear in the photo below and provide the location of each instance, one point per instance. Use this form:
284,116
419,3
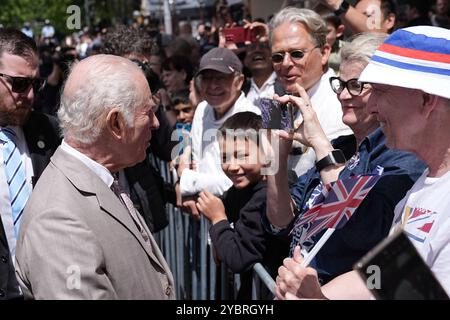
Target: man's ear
389,22
429,104
240,81
115,124
326,51
340,31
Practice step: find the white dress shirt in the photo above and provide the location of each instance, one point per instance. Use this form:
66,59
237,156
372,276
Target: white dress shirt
267,90
103,173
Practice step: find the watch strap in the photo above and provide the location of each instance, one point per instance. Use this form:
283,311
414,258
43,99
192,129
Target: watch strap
333,158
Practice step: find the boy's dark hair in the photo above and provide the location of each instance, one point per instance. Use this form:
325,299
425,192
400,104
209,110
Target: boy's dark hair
242,120
178,97
16,43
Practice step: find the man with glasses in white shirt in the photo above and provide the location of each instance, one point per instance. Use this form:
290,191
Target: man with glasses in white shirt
300,56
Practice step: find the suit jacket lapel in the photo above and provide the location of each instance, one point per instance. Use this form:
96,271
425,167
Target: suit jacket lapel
86,181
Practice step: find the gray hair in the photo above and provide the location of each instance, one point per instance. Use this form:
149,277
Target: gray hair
313,22
362,46
107,83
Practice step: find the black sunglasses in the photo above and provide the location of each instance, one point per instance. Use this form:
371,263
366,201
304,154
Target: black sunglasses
353,86
22,84
295,55
141,64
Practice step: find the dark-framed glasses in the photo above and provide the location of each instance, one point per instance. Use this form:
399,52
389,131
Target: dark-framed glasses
353,86
143,65
22,84
296,55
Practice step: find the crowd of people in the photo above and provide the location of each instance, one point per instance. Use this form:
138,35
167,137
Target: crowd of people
365,154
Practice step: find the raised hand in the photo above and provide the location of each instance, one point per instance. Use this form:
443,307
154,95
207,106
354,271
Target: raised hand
211,207
299,281
309,132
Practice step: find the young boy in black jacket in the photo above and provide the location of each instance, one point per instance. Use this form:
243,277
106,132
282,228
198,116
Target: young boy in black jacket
237,233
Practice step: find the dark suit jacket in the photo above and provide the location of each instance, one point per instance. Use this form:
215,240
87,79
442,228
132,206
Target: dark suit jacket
42,136
147,187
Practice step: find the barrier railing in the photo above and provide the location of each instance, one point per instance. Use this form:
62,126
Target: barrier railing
186,245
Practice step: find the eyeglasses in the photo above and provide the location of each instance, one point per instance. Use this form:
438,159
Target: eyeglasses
143,65
353,86
295,55
22,84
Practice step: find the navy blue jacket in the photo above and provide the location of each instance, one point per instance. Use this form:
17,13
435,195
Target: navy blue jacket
372,221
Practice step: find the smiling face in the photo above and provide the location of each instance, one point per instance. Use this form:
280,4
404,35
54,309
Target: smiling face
258,57
15,108
240,161
306,71
398,111
355,114
220,90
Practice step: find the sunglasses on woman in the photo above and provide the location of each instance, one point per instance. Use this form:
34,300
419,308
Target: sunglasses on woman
22,84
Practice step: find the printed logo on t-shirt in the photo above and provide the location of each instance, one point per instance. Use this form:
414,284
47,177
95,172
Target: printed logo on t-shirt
419,222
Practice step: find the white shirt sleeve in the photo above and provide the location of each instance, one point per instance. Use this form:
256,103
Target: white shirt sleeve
193,182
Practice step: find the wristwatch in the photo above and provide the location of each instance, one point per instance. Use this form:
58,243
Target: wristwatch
333,158
342,8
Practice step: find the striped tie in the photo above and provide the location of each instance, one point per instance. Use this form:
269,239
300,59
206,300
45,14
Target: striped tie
19,191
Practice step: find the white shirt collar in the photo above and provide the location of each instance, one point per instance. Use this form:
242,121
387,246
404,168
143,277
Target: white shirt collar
269,81
96,167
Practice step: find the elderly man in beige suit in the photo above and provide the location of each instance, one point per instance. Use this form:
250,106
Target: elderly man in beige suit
79,239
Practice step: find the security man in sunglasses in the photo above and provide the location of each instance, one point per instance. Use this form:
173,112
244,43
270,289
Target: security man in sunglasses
27,141
300,56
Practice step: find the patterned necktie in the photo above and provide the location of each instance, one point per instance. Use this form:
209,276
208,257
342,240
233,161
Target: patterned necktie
19,190
125,199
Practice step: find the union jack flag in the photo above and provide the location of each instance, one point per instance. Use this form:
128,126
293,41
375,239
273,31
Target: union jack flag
336,204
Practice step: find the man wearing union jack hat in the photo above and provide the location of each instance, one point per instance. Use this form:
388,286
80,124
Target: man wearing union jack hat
410,78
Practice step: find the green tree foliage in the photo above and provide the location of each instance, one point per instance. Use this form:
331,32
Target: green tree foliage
15,12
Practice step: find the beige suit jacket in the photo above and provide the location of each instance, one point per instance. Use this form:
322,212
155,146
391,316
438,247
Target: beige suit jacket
78,241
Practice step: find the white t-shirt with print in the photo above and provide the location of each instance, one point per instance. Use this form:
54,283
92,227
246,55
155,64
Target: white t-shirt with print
425,215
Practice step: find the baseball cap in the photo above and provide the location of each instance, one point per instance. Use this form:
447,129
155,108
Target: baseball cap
416,58
220,59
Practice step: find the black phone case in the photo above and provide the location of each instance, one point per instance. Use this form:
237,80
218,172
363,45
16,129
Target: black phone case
404,274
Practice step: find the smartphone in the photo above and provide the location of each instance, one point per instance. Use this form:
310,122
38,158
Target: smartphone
237,35
276,115
403,274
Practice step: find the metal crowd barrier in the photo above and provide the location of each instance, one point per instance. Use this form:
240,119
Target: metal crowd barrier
186,245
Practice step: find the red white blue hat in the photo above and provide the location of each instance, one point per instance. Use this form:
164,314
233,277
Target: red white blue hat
416,58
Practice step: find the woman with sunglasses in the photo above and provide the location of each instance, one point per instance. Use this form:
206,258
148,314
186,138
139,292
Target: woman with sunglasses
372,219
